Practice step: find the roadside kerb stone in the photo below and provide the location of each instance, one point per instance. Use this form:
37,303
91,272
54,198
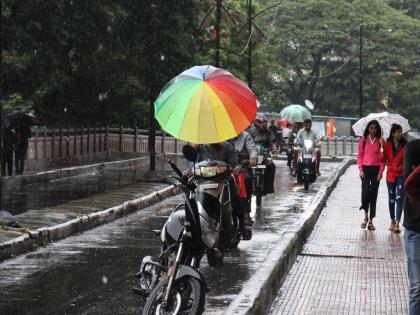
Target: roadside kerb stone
260,290
40,237
46,176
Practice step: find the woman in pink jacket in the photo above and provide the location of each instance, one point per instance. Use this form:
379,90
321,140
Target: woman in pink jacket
371,167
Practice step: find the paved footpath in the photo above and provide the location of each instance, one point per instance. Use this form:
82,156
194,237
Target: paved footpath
344,269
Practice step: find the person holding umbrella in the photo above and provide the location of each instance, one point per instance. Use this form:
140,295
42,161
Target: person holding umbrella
393,156
371,167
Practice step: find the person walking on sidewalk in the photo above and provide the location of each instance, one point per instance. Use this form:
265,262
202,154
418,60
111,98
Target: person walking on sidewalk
393,157
412,224
371,167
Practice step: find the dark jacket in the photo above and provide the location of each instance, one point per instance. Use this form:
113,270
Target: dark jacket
411,209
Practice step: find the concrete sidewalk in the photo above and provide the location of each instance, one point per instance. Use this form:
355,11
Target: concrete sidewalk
344,269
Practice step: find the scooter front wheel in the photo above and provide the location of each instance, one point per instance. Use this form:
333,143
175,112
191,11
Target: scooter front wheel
187,297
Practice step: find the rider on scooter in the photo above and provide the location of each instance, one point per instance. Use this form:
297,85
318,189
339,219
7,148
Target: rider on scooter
264,137
306,133
225,152
246,150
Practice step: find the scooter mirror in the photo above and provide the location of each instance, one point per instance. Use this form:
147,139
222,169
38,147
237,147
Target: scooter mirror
189,152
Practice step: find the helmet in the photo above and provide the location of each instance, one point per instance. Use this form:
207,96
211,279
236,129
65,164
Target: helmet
260,118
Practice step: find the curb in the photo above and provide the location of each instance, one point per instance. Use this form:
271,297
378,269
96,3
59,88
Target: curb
260,290
40,237
45,176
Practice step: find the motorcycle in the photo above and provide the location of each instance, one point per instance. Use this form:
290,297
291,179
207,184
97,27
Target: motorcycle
258,172
306,168
204,222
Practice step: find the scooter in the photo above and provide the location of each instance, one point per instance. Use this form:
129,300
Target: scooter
306,168
204,222
258,171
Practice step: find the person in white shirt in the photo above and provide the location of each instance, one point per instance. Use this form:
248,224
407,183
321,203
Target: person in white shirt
306,133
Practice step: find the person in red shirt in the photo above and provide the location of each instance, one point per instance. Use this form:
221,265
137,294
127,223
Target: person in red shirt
371,167
393,157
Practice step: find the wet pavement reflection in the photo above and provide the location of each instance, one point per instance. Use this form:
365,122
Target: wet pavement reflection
92,273
20,199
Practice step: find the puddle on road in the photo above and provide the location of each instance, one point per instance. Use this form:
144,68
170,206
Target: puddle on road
92,273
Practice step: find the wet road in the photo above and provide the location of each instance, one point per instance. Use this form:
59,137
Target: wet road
92,273
20,199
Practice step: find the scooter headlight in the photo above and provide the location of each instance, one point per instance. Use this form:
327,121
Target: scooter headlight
308,144
210,171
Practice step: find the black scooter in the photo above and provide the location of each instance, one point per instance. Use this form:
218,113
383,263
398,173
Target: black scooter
258,171
174,284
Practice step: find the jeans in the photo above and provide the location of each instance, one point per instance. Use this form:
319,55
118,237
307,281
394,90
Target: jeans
370,185
412,249
396,196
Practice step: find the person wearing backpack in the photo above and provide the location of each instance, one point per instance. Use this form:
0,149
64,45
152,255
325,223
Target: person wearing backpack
371,167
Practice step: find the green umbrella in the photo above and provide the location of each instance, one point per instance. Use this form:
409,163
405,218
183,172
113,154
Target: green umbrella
295,113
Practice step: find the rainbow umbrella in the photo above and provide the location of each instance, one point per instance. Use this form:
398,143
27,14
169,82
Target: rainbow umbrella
205,104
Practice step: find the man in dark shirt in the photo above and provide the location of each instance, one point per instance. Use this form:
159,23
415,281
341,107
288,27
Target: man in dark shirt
412,230
225,152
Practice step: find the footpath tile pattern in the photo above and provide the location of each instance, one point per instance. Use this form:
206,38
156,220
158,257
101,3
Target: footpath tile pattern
344,269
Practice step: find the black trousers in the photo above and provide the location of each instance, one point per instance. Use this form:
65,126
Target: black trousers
370,186
7,164
238,210
270,172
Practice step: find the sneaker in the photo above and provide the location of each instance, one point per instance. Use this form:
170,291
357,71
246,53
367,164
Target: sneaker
392,226
246,232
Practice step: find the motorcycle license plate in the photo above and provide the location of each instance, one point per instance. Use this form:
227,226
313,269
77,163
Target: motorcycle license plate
261,166
307,156
202,187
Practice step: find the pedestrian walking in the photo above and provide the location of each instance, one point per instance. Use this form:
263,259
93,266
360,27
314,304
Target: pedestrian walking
371,167
412,223
9,140
21,147
393,157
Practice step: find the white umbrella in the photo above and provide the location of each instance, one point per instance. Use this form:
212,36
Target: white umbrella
385,120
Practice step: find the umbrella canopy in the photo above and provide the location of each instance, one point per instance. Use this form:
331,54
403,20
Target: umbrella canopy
385,120
19,120
205,104
295,113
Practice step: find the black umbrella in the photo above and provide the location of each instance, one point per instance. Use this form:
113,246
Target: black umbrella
19,120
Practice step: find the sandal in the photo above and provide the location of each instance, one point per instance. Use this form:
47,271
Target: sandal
371,227
363,225
397,227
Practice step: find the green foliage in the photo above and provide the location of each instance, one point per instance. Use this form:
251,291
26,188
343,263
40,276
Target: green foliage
16,102
103,62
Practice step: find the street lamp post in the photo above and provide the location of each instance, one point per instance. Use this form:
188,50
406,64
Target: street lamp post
152,87
359,43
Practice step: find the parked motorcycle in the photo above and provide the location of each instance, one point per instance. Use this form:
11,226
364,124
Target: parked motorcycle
306,168
174,284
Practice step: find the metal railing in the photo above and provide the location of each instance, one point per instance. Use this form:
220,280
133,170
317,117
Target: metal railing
54,143
339,146
48,143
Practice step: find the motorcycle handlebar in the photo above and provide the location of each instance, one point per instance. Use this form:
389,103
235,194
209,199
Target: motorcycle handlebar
175,168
